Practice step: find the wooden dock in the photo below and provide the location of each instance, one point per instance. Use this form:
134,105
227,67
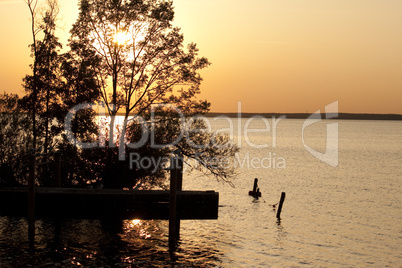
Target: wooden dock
111,204
108,203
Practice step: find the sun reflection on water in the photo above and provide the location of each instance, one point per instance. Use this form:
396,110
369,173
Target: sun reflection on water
141,228
134,223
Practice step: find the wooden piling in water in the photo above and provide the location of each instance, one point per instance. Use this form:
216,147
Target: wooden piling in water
179,187
256,191
255,185
278,214
173,234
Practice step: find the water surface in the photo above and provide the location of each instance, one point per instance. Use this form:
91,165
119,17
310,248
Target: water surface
343,216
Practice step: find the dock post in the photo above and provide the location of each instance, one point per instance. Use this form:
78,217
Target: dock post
278,214
173,204
179,176
31,200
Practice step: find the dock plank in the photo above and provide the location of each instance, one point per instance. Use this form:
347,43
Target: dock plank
108,203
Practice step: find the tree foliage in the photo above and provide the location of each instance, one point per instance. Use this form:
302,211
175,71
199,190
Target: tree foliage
209,152
141,53
44,87
58,83
128,54
15,135
140,60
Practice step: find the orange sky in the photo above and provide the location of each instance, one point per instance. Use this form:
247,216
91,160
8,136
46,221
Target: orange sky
273,56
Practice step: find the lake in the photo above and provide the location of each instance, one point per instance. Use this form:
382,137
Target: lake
344,214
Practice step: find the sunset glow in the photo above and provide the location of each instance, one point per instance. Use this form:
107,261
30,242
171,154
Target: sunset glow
286,56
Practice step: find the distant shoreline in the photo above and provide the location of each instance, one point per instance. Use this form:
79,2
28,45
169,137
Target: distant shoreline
341,116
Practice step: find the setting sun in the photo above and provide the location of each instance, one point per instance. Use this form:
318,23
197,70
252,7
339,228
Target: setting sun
121,38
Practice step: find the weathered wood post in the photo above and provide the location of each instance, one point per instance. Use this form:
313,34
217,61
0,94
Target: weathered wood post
278,214
31,200
255,192
173,203
179,187
255,185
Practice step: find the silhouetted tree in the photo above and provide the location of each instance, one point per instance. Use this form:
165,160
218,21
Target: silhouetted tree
134,46
58,83
43,87
141,53
15,138
80,87
32,5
